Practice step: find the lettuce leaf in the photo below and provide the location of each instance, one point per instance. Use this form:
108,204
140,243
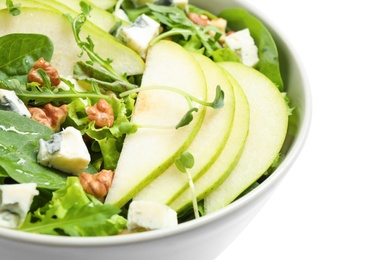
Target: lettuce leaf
72,212
106,141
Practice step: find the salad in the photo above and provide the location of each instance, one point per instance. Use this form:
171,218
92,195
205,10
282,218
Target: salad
139,115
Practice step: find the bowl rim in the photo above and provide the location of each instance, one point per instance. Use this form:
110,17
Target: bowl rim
268,183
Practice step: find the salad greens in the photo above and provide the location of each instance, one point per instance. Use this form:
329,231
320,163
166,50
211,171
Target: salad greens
18,52
197,38
63,207
19,137
73,212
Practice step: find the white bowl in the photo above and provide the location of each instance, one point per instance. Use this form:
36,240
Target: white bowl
204,238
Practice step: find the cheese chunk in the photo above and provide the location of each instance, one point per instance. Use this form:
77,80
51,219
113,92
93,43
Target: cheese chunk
66,152
150,215
242,43
15,203
139,35
9,101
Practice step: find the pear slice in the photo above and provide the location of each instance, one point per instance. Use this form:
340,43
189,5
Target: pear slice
228,158
147,153
207,144
98,16
55,25
103,4
267,132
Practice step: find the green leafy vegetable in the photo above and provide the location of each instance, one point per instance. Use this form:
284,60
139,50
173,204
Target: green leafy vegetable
35,95
238,19
89,73
177,23
105,64
19,52
106,141
72,212
19,143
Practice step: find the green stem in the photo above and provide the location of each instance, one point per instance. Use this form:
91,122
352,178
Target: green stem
192,188
188,97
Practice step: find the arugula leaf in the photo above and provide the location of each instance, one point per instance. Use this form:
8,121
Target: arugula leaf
19,52
89,73
35,95
177,23
88,46
72,212
19,142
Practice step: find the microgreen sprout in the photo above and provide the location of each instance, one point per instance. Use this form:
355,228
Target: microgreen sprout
13,9
217,103
183,163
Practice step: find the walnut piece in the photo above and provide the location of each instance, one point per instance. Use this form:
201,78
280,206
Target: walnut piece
201,20
97,184
204,21
49,115
101,113
51,72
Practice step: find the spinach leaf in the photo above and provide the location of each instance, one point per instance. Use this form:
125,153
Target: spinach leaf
18,53
19,143
269,62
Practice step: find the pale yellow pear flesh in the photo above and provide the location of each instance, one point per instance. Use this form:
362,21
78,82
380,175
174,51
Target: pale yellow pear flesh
66,52
98,16
147,153
267,131
103,4
208,143
228,158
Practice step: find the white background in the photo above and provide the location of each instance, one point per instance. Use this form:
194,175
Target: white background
335,202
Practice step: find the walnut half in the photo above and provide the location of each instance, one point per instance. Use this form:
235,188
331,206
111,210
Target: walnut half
101,113
97,184
51,72
49,115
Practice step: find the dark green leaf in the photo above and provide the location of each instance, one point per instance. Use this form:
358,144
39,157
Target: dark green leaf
19,143
105,80
19,52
